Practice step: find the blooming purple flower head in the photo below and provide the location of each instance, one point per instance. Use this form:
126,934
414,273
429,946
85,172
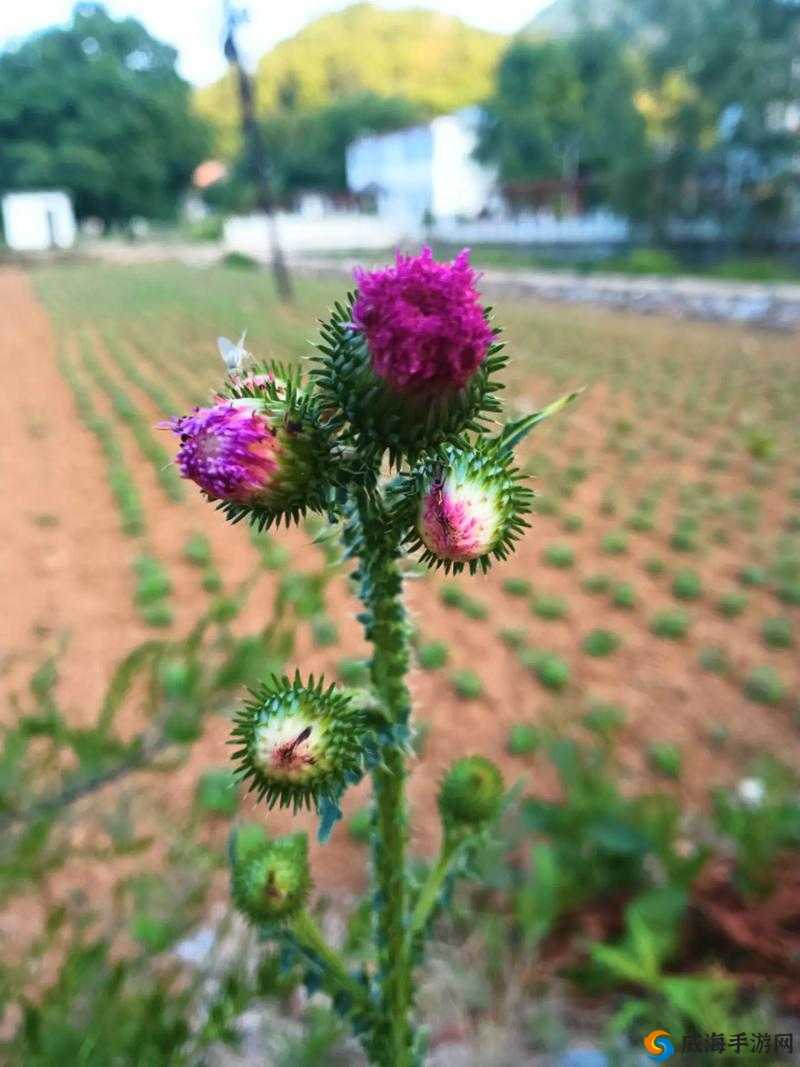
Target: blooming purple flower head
229,450
423,323
460,518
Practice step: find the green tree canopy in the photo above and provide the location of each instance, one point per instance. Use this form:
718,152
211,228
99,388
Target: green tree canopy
721,75
565,109
98,109
436,62
534,118
307,149
717,83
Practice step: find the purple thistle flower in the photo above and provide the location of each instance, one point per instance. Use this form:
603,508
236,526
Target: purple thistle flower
229,450
423,322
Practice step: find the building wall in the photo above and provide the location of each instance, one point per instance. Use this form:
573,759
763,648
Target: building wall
339,232
398,167
38,221
461,186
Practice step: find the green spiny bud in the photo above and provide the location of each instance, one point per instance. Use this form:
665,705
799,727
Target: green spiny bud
269,879
471,793
299,743
247,838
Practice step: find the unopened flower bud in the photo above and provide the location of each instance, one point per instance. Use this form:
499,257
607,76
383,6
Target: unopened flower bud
460,518
466,507
471,793
229,450
270,880
258,452
299,743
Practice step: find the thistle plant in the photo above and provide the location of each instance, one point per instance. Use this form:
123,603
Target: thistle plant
394,436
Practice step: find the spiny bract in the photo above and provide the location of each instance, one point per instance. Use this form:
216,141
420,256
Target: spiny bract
258,451
410,361
299,743
464,506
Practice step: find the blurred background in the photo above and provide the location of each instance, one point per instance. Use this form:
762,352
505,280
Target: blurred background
626,174
659,137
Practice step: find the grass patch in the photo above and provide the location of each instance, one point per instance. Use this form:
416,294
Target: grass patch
665,759
614,543
558,555
672,625
596,583
549,607
466,684
601,643
765,686
523,739
778,633
623,595
432,655
686,585
552,671
517,587
731,605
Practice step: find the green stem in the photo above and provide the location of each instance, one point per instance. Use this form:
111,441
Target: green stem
386,628
429,894
337,978
393,1037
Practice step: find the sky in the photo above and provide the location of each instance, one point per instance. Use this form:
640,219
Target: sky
193,26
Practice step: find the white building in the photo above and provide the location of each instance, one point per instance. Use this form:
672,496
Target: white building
425,171
426,184
38,221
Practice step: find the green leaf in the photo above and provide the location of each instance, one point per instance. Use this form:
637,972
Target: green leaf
516,430
123,678
539,902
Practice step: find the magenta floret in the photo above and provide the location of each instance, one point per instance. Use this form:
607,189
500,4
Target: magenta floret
229,450
459,521
423,322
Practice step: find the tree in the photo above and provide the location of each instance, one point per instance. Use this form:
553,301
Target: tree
307,148
533,121
722,77
98,109
436,62
564,109
615,154
255,160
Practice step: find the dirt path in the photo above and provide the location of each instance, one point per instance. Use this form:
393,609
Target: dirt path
62,566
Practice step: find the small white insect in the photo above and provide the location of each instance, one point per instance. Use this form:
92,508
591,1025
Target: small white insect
233,355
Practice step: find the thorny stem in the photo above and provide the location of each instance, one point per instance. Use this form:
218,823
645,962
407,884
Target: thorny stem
385,625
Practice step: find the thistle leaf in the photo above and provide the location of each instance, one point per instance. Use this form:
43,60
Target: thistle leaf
518,429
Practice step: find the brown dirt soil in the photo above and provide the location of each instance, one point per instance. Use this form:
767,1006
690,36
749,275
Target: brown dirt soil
758,938
65,568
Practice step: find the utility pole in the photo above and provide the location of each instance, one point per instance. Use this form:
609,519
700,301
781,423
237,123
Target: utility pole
255,156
